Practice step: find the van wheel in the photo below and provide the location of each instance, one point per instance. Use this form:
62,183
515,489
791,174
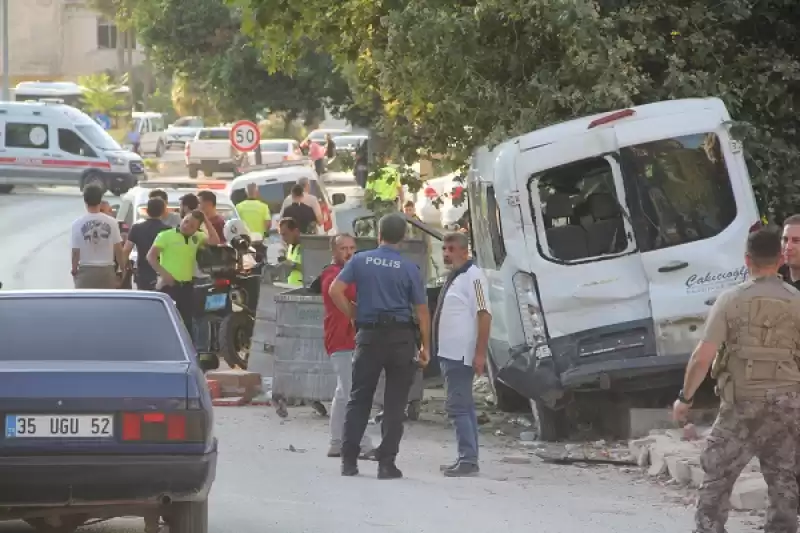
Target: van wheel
6,189
188,517
93,178
193,170
508,400
549,425
160,149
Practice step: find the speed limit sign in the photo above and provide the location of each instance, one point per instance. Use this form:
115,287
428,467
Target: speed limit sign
245,136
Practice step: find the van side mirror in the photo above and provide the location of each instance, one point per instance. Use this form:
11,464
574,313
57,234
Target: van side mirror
338,198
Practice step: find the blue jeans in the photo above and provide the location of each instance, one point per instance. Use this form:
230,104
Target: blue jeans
460,407
201,334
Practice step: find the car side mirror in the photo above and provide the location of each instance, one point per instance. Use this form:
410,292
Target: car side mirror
338,198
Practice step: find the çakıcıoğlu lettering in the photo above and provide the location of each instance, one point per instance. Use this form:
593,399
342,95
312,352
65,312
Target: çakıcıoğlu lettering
380,261
739,274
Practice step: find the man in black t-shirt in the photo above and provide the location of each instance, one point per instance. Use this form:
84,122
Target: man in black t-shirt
300,212
142,234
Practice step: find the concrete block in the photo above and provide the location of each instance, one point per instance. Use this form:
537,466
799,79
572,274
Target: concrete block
697,475
658,463
229,402
749,493
678,469
235,383
636,446
643,421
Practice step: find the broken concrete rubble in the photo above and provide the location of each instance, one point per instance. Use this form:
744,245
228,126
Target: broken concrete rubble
668,453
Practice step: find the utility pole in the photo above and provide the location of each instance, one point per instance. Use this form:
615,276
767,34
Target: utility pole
6,82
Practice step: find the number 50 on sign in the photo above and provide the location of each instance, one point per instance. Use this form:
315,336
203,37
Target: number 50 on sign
245,136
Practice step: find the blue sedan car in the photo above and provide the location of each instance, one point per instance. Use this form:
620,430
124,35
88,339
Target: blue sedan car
106,412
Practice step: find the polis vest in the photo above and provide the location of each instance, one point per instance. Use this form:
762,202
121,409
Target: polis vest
293,255
763,340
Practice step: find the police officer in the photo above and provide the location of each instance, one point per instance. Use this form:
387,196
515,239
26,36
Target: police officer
389,288
384,190
758,381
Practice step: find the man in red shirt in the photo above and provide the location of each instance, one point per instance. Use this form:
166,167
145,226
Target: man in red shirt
208,205
340,342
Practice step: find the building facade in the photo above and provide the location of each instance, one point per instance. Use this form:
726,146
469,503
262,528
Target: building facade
52,40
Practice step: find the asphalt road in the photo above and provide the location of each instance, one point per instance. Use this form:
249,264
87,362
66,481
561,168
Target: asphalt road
264,487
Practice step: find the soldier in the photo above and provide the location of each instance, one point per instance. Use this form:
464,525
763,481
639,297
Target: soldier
758,377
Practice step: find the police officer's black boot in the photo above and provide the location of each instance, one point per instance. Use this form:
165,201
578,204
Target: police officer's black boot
349,467
388,470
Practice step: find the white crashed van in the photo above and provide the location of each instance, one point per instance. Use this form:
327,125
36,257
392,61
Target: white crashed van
605,241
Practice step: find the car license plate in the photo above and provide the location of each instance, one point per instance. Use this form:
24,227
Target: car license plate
215,302
59,426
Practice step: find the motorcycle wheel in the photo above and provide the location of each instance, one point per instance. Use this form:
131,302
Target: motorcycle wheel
235,334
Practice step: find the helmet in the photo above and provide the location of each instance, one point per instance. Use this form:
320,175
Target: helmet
235,228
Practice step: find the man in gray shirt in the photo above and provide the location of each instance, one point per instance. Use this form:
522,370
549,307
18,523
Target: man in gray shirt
170,218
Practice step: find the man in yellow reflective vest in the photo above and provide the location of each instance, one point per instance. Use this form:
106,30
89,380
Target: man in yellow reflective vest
384,190
290,232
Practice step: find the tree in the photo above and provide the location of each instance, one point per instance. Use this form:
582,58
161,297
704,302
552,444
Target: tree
101,94
453,75
201,41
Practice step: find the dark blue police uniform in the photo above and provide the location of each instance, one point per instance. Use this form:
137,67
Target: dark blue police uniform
388,286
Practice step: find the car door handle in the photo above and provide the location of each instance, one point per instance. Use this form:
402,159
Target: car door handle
672,267
711,301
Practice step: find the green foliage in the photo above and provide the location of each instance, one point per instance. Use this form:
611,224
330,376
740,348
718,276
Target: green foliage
100,94
201,41
444,77
280,126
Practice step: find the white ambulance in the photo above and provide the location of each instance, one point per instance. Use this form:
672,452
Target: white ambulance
51,144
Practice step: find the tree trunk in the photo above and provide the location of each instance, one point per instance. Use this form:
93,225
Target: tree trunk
147,80
120,53
129,50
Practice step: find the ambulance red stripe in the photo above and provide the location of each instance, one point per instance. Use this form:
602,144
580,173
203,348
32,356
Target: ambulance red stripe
52,163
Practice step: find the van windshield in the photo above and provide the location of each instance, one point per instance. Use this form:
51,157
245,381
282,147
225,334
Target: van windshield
98,137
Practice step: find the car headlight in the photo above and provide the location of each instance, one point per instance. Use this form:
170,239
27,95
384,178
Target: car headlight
531,314
114,160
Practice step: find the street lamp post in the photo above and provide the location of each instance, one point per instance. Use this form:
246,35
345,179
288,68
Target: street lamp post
6,88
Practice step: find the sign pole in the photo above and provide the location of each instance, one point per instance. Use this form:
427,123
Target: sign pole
259,160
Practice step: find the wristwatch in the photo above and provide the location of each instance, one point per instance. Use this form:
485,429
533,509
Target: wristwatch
684,399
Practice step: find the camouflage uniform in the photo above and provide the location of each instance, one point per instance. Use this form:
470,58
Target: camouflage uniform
759,385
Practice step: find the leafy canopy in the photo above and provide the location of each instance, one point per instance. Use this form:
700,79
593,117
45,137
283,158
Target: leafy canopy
448,76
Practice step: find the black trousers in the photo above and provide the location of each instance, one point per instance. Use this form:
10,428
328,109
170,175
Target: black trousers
183,296
392,350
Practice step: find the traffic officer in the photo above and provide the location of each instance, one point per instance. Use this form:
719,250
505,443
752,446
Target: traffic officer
290,232
758,381
384,190
389,288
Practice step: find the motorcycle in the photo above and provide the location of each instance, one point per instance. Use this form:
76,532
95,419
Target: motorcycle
228,301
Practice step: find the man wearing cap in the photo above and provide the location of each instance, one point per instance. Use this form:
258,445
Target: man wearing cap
389,291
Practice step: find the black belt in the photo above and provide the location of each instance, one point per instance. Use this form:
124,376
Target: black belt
385,325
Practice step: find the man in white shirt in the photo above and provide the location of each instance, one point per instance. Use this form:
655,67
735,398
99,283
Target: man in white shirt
309,199
96,242
461,336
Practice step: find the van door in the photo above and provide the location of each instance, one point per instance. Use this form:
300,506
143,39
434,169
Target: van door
147,139
692,206
591,281
76,157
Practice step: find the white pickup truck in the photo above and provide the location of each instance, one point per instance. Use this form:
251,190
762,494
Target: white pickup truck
211,151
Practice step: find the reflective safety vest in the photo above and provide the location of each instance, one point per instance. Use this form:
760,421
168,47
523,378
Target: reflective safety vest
761,352
384,186
294,255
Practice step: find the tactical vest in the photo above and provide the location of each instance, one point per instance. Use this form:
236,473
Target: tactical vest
763,344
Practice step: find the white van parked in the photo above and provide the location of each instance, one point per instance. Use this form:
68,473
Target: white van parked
152,132
605,241
45,144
